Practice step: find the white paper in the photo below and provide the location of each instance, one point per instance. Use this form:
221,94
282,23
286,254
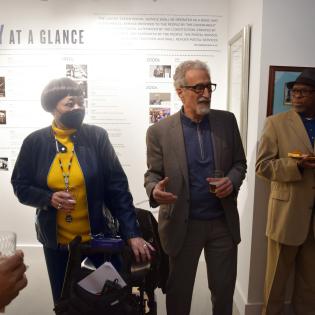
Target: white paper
95,281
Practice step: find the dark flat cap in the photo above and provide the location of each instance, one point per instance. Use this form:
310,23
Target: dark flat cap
306,77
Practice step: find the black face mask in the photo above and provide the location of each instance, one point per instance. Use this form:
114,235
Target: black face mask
73,119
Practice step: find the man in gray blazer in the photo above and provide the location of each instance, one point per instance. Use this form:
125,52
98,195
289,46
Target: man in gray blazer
182,151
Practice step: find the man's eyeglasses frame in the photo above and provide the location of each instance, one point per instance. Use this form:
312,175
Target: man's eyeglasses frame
200,88
302,92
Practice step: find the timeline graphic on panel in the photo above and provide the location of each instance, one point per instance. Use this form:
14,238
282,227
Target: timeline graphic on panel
123,62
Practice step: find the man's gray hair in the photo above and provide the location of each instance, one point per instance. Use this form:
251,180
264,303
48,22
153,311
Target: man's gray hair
182,68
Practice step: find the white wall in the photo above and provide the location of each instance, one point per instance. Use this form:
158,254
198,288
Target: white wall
111,66
33,14
287,40
282,33
287,37
241,13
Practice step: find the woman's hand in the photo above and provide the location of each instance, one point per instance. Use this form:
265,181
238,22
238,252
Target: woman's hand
63,200
141,249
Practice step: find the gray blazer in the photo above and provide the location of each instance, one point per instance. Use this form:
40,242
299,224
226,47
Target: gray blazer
166,157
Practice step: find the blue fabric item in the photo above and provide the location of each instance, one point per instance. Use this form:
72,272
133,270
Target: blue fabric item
309,123
200,161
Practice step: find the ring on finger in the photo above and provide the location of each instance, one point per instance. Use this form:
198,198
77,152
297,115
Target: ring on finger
145,245
59,206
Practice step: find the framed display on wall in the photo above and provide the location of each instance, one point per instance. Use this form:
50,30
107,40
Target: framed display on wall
279,98
238,76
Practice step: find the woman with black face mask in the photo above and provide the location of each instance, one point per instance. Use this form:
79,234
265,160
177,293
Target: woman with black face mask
70,173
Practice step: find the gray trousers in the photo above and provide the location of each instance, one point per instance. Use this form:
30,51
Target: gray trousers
221,257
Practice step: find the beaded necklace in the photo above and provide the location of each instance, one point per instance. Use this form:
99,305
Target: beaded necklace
66,176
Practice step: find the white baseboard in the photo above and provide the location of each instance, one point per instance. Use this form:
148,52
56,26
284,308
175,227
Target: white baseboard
246,308
239,300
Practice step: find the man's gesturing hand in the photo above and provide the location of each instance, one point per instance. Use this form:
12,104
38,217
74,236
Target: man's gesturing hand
160,195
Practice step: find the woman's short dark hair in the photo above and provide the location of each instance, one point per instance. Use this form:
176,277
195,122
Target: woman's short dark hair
58,89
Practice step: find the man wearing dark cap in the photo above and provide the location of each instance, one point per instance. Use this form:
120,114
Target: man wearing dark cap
290,222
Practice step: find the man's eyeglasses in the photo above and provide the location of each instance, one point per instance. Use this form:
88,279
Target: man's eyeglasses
302,92
200,88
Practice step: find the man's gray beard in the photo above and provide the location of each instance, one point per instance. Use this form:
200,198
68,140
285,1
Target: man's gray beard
203,110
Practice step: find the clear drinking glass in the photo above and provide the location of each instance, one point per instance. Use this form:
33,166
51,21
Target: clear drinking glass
7,243
215,175
7,247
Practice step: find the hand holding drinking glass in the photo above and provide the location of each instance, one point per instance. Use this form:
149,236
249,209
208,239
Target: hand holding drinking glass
214,180
63,200
12,269
219,185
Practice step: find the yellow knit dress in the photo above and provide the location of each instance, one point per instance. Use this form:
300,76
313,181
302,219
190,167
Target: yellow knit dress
80,224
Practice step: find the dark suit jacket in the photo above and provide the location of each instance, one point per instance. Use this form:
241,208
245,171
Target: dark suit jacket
166,157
